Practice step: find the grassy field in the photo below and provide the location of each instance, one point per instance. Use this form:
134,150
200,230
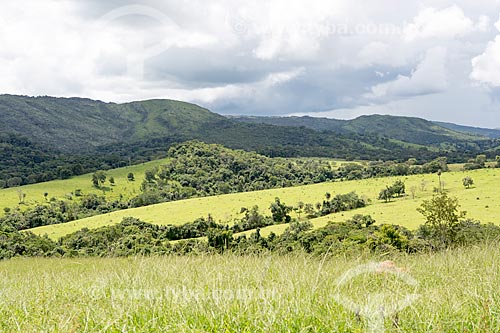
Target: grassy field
9,197
60,189
453,291
480,201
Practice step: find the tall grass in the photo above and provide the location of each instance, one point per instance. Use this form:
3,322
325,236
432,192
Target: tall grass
458,293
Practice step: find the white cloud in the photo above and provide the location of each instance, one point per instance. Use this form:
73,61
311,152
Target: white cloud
379,53
429,77
446,23
286,28
486,67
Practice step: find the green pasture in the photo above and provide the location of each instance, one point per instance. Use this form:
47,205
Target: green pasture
451,291
63,189
481,202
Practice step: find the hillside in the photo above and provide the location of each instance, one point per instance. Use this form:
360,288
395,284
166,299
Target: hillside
406,129
63,188
79,125
487,132
224,208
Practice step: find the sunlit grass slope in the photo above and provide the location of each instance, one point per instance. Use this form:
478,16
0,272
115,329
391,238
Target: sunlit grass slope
9,197
481,202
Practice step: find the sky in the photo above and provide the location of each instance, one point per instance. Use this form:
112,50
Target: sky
434,59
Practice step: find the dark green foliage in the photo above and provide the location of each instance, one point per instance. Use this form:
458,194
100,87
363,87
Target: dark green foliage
23,162
470,232
476,163
14,243
280,211
404,129
353,171
396,189
442,217
59,211
389,237
134,237
98,178
341,203
468,182
200,169
219,239
252,220
130,237
437,165
385,194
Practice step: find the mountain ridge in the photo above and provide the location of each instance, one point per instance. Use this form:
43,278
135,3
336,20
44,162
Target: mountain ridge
407,129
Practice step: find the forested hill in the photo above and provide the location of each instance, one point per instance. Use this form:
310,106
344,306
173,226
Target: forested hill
487,132
43,138
76,124
406,129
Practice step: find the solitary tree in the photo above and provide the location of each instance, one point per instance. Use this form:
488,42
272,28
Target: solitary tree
468,182
280,211
130,176
398,188
299,209
385,194
442,216
423,185
309,210
21,195
413,191
98,178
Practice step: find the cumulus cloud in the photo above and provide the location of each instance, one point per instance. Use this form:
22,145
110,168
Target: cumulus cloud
428,77
446,23
486,67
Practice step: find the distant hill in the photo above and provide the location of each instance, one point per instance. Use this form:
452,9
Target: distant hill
45,138
76,124
487,132
406,129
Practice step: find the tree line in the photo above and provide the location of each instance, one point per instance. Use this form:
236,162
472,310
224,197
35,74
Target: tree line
445,227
